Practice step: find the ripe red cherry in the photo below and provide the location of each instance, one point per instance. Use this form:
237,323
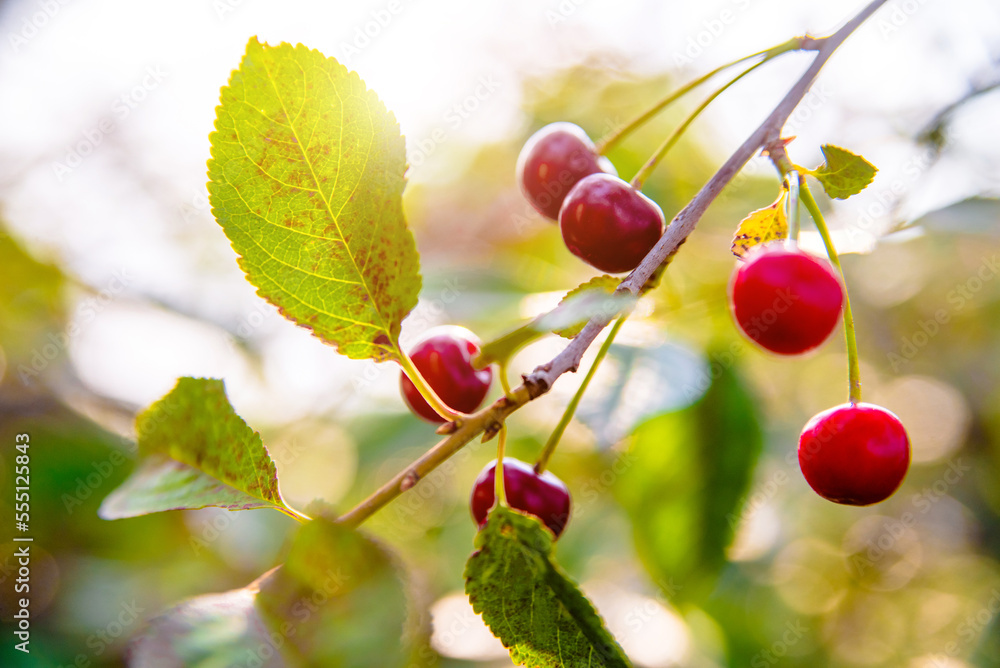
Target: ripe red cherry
609,224
784,300
544,496
444,358
855,454
552,161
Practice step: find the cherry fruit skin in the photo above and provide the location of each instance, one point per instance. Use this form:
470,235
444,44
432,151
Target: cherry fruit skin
544,496
444,358
854,454
552,161
609,224
784,300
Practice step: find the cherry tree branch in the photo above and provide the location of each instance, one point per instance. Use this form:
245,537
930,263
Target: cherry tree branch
540,381
766,135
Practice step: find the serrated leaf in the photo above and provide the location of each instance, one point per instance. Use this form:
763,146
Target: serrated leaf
692,469
844,173
595,297
762,226
340,600
194,452
306,179
529,603
592,291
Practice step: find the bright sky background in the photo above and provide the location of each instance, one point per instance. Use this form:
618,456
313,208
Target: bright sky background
123,93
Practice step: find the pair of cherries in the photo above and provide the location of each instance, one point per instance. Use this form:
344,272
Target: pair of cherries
789,303
604,220
444,358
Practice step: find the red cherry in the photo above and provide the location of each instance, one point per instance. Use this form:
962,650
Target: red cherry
544,496
855,454
784,300
609,224
552,161
444,358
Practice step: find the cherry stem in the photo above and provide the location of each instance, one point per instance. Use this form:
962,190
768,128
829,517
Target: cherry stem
665,147
853,365
294,514
424,388
606,143
792,212
567,416
501,495
504,382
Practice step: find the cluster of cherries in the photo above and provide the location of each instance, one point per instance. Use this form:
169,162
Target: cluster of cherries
783,299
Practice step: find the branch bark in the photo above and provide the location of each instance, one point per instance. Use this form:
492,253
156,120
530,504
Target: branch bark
540,381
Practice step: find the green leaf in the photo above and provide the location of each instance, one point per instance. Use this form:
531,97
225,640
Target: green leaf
340,600
643,381
226,629
593,292
762,226
195,451
306,180
595,297
844,173
528,602
692,469
366,620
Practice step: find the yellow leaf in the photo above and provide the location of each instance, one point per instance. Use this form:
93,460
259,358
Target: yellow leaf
762,226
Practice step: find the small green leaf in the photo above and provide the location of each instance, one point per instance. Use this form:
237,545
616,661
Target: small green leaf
692,469
844,173
595,297
339,601
529,603
590,294
306,180
762,226
195,451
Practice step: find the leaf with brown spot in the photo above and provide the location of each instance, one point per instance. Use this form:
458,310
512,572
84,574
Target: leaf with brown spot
314,145
195,451
762,226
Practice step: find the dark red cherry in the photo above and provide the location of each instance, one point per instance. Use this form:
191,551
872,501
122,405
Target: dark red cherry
855,454
609,224
552,161
785,300
444,358
544,496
